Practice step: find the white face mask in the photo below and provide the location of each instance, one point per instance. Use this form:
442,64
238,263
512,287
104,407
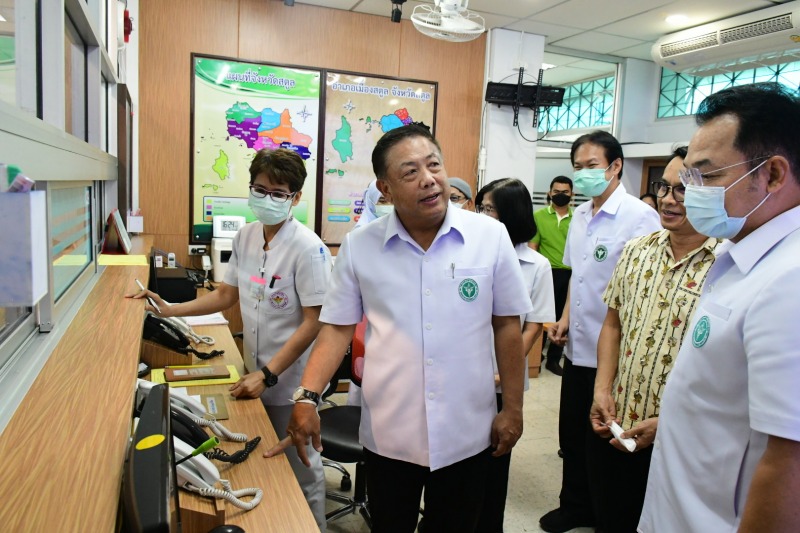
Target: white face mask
457,205
383,210
268,211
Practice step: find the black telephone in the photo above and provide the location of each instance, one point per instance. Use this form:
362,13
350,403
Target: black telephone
174,334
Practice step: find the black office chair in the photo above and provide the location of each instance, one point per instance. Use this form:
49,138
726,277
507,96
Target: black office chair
339,428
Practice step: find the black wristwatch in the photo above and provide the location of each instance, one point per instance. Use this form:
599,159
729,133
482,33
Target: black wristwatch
270,379
303,394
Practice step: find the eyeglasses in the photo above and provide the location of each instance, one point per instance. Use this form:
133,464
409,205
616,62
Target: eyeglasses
662,188
693,176
278,196
457,199
488,209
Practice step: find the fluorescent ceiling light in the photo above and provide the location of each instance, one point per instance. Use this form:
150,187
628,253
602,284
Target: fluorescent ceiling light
548,66
676,20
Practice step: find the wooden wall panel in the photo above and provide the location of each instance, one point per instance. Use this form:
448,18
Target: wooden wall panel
318,37
169,33
266,30
458,67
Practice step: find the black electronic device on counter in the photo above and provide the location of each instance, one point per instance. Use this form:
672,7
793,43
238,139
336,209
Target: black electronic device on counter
173,284
149,496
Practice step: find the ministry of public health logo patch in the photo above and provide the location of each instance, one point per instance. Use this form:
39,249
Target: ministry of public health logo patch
468,290
701,332
600,253
278,300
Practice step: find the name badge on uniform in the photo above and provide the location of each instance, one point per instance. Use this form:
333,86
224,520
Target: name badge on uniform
258,287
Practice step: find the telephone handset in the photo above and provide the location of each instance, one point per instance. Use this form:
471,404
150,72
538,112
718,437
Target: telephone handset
199,475
187,330
195,411
176,335
198,470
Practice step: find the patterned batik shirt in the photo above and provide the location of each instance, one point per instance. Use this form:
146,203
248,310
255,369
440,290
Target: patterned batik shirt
655,296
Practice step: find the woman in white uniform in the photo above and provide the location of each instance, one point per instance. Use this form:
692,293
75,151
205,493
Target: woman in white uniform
278,272
509,201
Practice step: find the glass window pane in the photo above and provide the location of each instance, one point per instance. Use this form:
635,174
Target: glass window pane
75,73
588,104
681,94
9,317
8,65
71,240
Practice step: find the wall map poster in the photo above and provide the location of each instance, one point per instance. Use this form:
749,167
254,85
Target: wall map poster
239,108
358,110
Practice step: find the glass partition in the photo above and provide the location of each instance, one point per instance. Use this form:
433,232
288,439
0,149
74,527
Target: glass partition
71,237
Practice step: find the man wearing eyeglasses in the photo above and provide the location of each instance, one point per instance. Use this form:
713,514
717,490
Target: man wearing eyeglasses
278,272
727,452
651,297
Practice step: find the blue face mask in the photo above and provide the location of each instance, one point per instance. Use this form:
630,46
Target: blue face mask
383,210
591,181
268,211
705,209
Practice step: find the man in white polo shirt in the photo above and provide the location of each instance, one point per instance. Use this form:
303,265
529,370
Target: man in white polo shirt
599,230
434,283
727,451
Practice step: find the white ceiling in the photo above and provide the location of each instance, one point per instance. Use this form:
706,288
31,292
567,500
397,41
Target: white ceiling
622,28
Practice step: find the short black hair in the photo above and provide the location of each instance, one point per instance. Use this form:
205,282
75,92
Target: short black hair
678,151
282,166
514,207
561,179
391,138
610,145
651,196
768,115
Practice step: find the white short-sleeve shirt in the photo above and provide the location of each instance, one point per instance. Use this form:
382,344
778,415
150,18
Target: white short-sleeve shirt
594,244
428,386
735,382
303,263
538,277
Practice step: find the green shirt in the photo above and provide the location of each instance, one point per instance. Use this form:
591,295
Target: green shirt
551,235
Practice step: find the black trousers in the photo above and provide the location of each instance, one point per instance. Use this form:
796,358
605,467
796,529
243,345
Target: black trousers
617,482
453,494
494,503
561,278
577,391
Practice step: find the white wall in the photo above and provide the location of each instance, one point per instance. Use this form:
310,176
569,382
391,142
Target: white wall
508,155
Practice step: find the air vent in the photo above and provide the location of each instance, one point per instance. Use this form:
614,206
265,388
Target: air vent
756,29
689,45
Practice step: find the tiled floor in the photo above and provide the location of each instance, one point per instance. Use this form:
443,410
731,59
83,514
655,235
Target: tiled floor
535,479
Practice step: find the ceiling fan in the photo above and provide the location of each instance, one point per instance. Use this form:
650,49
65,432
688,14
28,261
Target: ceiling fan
448,20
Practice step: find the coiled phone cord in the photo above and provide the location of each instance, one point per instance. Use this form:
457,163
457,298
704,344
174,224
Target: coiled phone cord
229,495
236,457
216,428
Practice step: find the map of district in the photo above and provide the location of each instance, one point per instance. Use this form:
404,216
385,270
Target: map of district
266,129
343,143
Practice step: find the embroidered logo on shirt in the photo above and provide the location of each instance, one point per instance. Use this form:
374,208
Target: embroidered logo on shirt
468,290
278,300
600,253
701,331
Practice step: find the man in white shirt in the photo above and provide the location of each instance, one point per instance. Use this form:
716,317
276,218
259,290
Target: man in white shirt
727,451
438,282
599,229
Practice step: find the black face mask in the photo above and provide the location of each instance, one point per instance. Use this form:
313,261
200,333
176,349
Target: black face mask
560,199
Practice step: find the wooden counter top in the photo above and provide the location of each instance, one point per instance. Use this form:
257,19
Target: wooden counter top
64,448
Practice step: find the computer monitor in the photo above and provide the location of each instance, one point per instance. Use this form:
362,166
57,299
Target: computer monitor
149,483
